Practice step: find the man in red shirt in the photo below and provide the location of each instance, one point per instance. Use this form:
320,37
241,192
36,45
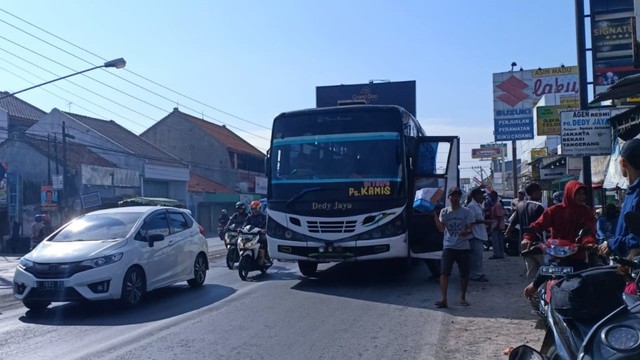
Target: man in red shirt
565,221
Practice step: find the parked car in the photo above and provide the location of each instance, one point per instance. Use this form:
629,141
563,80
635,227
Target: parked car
119,253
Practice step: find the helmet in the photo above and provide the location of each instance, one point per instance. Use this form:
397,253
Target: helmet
557,197
224,211
240,205
256,205
38,218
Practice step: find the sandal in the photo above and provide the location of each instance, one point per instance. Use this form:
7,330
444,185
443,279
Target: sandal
464,303
441,304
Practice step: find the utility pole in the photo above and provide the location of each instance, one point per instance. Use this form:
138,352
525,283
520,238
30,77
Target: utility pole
514,167
65,168
49,181
584,99
55,151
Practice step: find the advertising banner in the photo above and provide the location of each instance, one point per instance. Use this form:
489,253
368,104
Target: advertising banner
482,153
48,197
516,93
401,93
586,132
548,117
538,153
502,146
612,37
548,174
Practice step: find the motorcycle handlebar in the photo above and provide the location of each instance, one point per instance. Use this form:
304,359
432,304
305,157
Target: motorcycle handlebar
626,262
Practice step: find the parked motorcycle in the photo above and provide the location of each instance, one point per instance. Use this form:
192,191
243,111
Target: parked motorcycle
589,317
231,243
613,336
249,248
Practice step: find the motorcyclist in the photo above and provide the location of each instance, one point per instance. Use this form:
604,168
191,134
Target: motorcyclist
624,240
565,221
222,223
258,219
238,217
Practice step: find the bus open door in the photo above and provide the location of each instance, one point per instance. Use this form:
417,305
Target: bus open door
433,170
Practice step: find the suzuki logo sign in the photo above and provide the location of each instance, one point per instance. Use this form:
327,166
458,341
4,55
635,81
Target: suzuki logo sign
513,93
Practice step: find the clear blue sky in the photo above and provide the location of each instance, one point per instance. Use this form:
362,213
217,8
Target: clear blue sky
255,59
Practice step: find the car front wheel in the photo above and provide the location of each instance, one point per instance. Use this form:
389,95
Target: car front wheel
36,306
133,287
199,271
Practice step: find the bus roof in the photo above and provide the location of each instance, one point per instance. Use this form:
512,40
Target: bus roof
338,109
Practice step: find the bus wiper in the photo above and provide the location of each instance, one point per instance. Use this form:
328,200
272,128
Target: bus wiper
301,194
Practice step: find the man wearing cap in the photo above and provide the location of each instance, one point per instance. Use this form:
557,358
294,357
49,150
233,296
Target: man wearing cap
455,222
479,232
624,241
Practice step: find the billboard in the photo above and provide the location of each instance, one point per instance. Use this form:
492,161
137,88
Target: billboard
401,93
586,132
482,153
515,93
612,37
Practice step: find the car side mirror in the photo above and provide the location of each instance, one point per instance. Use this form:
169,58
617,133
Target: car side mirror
153,238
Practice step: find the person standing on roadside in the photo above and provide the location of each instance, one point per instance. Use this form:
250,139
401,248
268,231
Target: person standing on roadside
518,200
527,212
36,231
497,226
623,241
479,232
15,235
455,222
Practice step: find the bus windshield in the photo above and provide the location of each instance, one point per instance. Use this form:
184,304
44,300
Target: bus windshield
346,157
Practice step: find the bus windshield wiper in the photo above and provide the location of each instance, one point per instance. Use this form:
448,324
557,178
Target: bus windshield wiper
303,193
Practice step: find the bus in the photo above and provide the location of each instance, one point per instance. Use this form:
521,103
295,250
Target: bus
342,182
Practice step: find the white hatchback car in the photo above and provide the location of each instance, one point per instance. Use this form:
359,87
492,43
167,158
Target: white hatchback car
118,253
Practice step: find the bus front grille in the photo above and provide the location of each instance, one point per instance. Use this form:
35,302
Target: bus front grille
326,227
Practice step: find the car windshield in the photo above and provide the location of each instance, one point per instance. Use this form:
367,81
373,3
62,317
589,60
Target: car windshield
94,227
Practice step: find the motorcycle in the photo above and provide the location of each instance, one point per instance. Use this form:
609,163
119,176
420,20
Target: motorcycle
249,248
589,316
615,336
231,244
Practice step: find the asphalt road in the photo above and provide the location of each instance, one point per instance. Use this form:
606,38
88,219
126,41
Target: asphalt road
351,311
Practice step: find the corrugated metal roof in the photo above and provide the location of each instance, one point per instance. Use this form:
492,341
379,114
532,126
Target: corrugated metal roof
20,109
128,140
199,183
227,137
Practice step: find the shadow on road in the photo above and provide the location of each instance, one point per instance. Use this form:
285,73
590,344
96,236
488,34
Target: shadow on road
392,283
159,304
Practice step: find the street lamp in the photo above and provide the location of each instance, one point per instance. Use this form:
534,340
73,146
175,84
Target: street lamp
116,63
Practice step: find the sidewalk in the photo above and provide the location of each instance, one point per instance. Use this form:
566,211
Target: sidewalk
8,262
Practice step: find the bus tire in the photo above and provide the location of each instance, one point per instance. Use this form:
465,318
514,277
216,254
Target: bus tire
308,268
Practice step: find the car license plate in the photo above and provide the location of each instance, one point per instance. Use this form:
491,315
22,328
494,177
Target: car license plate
556,270
49,284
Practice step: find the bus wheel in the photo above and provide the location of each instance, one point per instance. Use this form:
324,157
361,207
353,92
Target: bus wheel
308,268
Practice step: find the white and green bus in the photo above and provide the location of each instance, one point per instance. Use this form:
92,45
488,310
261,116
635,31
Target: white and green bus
342,182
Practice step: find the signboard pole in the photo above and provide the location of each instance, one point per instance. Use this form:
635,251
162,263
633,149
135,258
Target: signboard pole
515,168
584,99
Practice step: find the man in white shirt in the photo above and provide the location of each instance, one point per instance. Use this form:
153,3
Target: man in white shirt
479,232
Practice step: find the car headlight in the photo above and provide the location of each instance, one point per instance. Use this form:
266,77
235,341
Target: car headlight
102,261
24,263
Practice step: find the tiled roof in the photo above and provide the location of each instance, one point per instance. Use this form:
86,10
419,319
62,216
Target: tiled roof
77,154
198,183
227,137
128,140
18,108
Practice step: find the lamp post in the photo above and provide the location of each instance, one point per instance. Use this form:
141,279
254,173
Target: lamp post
116,63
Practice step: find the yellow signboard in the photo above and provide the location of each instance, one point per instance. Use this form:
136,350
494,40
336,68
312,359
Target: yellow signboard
537,153
548,118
